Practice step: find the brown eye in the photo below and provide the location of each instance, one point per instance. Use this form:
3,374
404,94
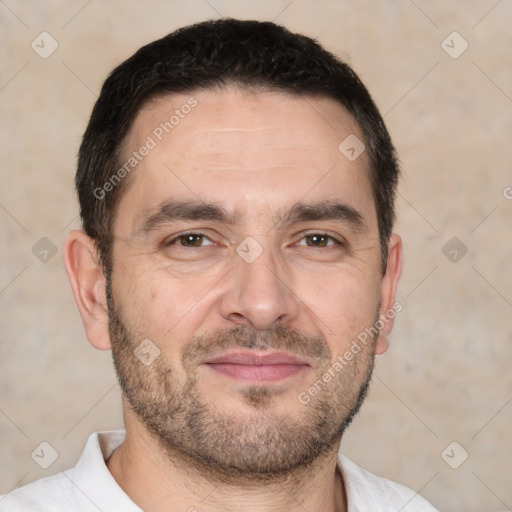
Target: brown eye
318,240
189,240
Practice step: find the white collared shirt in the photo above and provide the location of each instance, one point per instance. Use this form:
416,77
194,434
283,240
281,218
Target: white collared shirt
90,487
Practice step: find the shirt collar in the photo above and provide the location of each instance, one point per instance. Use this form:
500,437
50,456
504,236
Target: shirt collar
92,478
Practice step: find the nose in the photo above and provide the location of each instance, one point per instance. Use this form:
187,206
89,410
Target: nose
259,293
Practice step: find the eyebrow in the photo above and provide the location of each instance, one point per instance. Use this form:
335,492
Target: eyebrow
330,210
172,210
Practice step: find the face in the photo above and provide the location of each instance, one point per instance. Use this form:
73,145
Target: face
246,251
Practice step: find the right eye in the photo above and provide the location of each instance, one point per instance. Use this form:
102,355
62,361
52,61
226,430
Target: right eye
191,239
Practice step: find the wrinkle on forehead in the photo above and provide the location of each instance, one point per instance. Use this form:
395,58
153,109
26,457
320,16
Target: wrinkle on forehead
249,158
239,129
231,121
265,147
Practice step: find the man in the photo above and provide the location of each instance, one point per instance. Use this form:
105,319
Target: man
236,185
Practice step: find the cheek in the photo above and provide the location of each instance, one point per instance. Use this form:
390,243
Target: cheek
345,303
158,306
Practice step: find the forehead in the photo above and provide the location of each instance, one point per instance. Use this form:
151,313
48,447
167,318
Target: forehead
244,148
234,120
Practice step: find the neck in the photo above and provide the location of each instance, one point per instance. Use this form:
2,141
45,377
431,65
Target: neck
158,481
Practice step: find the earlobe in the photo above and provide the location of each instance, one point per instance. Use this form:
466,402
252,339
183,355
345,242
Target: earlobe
382,343
87,281
388,305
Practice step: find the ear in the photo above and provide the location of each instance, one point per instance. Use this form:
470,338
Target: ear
388,306
88,283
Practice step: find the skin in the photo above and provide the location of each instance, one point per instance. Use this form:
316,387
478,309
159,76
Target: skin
256,154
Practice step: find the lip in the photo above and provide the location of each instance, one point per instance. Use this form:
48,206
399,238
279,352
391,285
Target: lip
253,365
256,357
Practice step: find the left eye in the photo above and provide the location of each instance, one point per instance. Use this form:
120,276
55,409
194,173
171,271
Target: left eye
318,240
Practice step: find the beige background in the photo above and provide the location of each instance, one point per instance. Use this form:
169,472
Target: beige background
447,376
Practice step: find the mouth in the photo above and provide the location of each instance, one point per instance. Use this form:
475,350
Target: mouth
257,366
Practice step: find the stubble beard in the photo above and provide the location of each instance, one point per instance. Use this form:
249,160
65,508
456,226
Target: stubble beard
227,448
